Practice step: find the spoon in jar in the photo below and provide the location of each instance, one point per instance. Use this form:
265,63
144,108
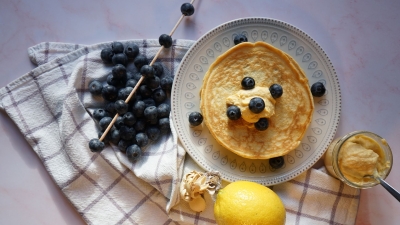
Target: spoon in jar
387,186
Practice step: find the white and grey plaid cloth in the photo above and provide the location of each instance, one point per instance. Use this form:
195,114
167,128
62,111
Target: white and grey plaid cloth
52,107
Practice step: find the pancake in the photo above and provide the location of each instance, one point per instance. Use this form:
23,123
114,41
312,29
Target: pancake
267,65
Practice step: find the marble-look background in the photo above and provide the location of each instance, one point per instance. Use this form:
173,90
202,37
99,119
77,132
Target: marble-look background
362,39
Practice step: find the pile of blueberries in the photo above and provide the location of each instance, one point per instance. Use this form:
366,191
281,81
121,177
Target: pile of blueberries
146,116
141,116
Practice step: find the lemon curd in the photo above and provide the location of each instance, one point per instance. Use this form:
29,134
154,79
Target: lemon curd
357,155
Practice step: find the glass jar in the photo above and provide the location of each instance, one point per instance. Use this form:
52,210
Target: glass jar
340,158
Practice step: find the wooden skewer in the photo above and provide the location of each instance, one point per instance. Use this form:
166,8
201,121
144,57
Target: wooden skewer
140,80
176,25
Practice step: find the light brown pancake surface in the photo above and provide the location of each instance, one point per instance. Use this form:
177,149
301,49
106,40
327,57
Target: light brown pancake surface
267,65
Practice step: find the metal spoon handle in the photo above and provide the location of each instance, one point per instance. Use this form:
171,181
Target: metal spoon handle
389,188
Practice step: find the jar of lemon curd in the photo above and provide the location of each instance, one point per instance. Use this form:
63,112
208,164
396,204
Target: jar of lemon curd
358,156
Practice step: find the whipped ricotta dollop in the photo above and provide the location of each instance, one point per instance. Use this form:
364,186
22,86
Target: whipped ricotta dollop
242,99
193,186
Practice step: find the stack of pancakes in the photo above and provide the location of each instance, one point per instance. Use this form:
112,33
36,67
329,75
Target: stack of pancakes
267,65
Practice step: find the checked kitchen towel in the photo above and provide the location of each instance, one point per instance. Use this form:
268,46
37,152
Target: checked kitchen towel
105,187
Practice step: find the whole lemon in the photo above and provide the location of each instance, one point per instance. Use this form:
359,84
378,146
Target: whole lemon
250,203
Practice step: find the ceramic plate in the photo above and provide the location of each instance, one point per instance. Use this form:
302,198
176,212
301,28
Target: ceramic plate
198,141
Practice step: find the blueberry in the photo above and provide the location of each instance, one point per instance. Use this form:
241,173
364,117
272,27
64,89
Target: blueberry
261,124
150,113
159,95
145,91
95,87
123,144
136,97
151,122
99,114
248,83
138,108
109,92
117,47
195,118
239,39
318,89
127,133
119,72
121,107
147,71
142,139
164,125
106,55
166,83
104,122
153,133
96,145
131,50
140,61
140,125
233,112
131,83
165,40
119,122
187,9
149,102
276,90
111,80
110,108
256,105
163,110
115,136
129,75
137,76
120,58
133,152
123,93
129,119
153,82
158,69
276,162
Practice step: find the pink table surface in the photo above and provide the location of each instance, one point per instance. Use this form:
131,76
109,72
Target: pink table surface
362,39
